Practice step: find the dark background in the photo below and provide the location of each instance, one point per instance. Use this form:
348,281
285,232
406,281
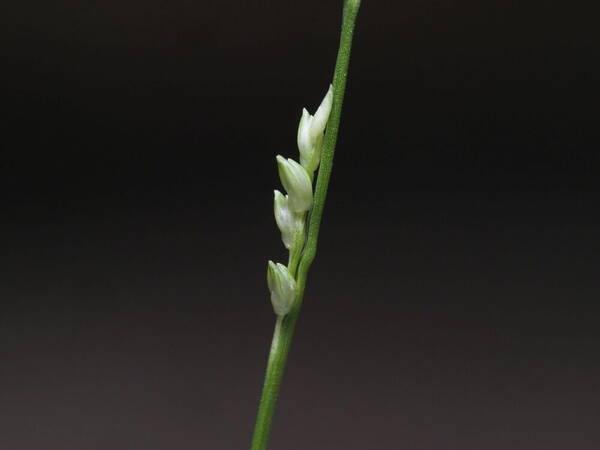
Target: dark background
452,304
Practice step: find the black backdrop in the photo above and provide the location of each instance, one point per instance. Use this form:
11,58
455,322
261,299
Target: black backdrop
453,300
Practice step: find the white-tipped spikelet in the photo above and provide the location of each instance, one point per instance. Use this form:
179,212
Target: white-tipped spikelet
282,286
290,224
297,183
310,133
322,115
305,144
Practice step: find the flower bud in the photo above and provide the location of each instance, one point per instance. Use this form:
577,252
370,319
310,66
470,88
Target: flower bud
305,144
282,286
322,114
297,183
290,223
310,133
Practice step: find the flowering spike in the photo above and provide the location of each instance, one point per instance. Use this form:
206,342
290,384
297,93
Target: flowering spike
282,286
297,183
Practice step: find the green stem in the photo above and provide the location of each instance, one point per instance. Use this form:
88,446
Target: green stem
284,327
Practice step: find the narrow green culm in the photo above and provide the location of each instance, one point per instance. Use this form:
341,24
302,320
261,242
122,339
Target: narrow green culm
298,216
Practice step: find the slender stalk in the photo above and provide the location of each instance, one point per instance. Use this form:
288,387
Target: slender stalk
284,327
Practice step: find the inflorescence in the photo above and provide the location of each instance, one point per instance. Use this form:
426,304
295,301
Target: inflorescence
291,209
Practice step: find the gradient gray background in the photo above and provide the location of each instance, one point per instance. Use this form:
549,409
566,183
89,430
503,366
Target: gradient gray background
452,304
